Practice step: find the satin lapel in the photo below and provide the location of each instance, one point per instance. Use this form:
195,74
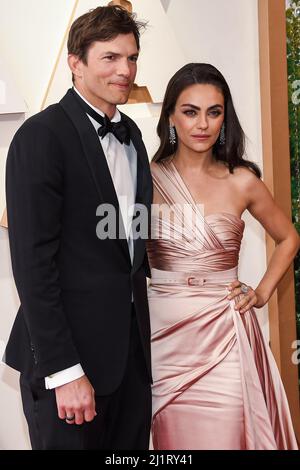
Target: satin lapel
144,188
96,160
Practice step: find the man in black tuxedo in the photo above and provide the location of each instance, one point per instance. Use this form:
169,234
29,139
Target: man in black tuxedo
81,338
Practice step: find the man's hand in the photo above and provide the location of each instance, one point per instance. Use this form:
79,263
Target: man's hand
76,400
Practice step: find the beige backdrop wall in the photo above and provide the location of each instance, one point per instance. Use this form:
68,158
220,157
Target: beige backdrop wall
224,33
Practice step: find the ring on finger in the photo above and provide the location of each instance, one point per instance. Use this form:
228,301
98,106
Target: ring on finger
244,289
70,418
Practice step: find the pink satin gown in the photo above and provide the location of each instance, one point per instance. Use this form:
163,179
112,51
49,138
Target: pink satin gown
216,383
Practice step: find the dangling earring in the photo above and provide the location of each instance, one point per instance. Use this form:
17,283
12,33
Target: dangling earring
222,136
172,135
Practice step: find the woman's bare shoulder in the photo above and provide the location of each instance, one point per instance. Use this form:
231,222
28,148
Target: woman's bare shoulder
245,177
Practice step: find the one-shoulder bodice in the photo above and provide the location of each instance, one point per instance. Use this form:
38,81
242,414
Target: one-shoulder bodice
188,240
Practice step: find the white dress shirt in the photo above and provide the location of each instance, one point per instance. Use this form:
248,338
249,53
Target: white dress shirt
122,164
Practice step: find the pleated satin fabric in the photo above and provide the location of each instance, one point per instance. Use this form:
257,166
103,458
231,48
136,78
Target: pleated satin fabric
216,384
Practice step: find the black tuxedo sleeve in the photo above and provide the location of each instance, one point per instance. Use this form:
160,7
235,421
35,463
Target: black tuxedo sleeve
34,190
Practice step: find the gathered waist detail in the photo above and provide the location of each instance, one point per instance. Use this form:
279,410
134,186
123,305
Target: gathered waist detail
192,278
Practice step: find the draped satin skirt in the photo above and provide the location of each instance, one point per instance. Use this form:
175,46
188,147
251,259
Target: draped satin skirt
216,383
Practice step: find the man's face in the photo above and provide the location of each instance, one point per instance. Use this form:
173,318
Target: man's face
107,77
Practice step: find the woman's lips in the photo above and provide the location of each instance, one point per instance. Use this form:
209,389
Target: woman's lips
201,136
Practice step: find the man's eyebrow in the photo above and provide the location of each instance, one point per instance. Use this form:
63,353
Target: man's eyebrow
118,54
110,53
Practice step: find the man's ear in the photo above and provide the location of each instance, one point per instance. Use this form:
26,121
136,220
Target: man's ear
75,65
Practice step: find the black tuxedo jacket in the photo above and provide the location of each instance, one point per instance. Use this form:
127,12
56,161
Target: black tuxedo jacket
75,289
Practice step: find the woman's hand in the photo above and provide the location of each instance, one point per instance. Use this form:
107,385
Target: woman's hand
249,297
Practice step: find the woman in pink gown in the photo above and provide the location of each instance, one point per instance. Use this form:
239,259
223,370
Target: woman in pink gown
216,383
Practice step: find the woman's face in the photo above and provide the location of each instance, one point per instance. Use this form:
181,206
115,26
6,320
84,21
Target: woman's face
198,117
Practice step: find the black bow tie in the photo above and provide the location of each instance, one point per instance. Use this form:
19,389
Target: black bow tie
119,129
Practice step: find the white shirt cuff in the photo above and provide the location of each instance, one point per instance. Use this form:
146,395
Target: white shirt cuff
63,377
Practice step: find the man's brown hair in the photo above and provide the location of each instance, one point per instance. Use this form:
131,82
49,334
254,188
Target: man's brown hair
101,24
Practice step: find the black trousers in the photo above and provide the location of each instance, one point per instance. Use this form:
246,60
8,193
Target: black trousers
123,418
